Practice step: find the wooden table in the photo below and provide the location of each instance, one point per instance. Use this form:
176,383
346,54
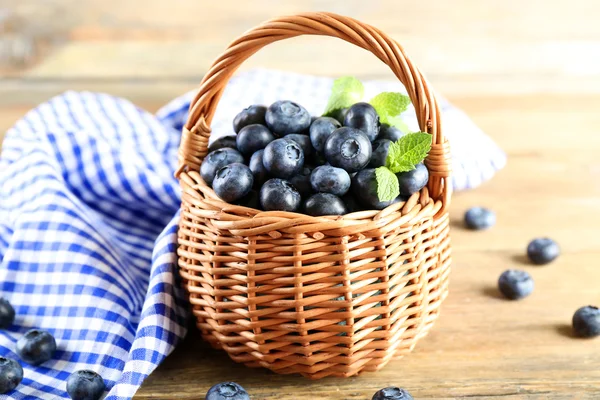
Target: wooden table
527,72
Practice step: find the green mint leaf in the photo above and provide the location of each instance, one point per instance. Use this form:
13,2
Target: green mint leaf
408,151
390,105
345,92
398,123
387,184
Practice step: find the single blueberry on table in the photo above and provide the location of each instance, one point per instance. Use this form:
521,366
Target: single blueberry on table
364,117
303,141
283,158
252,115
11,374
379,153
301,182
392,393
364,188
320,130
515,284
390,133
330,179
349,149
85,385
7,314
542,251
233,182
227,391
325,204
217,160
225,141
284,117
259,172
479,218
36,346
279,195
414,180
586,322
253,138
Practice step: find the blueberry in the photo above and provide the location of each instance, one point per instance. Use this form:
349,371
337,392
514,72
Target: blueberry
250,200
339,114
320,130
542,251
85,385
284,117
586,322
380,152
349,149
478,218
414,180
279,195
324,204
36,346
515,284
364,188
390,133
233,182
227,391
303,141
330,179
252,115
259,172
392,393
364,117
225,141
7,314
216,160
283,158
253,138
11,374
301,182
351,203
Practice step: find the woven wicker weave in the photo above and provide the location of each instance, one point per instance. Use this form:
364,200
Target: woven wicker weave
317,296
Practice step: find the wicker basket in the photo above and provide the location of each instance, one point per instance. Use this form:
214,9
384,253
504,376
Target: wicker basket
318,296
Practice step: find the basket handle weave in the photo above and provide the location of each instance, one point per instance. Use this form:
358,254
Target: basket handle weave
196,132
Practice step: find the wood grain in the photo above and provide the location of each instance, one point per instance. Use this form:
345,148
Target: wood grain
525,71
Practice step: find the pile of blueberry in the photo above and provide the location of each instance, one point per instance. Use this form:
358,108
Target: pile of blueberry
36,347
233,391
282,159
515,284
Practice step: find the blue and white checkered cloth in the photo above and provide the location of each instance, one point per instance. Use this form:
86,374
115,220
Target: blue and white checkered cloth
88,212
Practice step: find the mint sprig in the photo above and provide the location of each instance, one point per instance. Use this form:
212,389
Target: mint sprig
388,187
389,105
408,151
345,92
403,155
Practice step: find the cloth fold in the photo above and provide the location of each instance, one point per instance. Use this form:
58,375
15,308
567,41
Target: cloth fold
88,219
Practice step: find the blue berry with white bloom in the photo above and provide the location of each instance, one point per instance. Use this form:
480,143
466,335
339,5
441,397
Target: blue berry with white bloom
7,314
85,385
11,374
542,251
392,393
227,391
479,218
515,284
36,346
586,322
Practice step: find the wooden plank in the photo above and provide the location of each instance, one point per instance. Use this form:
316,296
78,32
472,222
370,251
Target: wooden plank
464,46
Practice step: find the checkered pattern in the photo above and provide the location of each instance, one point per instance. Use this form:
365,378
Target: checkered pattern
87,190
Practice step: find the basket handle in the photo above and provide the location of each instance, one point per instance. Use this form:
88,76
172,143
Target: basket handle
196,132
